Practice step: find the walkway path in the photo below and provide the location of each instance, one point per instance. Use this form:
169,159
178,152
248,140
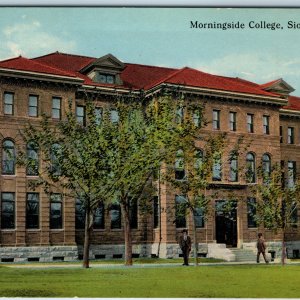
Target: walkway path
117,266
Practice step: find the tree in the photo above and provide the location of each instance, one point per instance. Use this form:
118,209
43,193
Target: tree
139,141
277,201
194,167
74,161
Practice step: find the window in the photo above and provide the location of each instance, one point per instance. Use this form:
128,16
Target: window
281,134
79,214
56,108
80,114
179,114
99,217
250,123
291,173
180,211
56,216
98,115
266,167
155,212
197,118
179,166
198,159
217,167
251,212
294,215
290,135
266,124
233,171
115,216
8,103
106,78
8,210
33,106
8,157
216,119
133,214
33,159
32,211
199,217
250,165
232,121
55,165
114,116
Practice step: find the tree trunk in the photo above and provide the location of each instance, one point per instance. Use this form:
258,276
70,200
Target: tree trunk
195,244
86,245
283,254
127,235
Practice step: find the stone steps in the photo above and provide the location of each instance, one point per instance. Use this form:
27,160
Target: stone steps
244,255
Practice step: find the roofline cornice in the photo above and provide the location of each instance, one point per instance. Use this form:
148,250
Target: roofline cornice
93,88
235,95
289,112
40,76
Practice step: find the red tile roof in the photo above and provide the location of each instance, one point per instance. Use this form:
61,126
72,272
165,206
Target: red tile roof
294,103
268,84
24,64
135,76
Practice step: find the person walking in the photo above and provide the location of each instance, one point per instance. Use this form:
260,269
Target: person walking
185,244
261,248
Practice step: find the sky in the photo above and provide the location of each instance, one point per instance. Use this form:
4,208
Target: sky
161,37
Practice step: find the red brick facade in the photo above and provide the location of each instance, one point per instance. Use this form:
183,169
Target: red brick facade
68,76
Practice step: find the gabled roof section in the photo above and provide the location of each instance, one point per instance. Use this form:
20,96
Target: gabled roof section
278,86
24,64
195,78
107,62
143,76
69,62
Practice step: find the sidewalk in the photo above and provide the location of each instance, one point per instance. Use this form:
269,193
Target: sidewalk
137,265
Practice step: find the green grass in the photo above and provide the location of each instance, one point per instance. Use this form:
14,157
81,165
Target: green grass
257,281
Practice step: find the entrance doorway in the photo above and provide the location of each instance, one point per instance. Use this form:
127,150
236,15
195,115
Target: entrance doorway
226,222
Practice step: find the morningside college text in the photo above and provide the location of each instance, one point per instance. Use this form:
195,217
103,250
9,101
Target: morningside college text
241,25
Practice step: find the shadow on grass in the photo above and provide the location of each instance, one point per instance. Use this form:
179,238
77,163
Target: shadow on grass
28,293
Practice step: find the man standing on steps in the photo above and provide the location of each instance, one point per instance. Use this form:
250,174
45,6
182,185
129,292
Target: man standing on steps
185,244
261,248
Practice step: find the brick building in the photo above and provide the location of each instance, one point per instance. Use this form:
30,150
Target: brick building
34,227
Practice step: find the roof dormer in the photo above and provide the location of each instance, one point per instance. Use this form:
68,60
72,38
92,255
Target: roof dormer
278,86
105,70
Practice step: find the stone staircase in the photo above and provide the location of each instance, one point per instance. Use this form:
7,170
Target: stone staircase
242,255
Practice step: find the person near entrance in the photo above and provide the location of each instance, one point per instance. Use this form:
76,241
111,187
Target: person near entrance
261,248
185,244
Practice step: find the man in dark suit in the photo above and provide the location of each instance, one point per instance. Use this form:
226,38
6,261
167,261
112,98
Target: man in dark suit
185,244
261,248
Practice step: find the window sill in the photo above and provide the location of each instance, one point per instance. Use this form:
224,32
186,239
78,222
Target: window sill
56,230
8,230
33,230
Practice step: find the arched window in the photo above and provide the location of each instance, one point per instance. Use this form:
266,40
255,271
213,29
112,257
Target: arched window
33,159
55,166
217,167
179,165
266,167
198,158
233,173
8,157
250,164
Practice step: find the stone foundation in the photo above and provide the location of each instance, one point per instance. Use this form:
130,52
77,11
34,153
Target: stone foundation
72,253
42,254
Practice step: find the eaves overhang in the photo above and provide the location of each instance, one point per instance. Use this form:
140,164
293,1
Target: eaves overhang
40,76
289,112
219,93
109,90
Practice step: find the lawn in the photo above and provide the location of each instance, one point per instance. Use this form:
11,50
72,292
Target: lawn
257,281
